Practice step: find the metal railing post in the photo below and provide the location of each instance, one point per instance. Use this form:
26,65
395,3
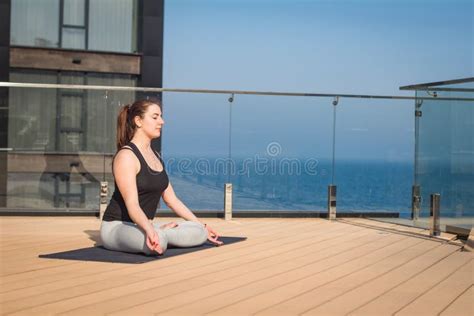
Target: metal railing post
434,214
415,202
332,190
104,188
228,185
228,201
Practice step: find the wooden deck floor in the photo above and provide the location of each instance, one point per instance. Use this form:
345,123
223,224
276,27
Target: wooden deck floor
286,267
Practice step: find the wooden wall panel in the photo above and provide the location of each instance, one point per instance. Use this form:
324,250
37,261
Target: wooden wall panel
58,162
56,59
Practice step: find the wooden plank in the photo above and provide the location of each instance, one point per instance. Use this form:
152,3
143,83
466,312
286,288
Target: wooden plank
38,265
393,226
41,281
11,306
35,274
60,59
21,250
463,305
381,224
270,238
273,290
25,245
287,266
298,227
353,298
443,294
252,289
298,264
322,292
80,269
24,262
396,298
274,295
136,291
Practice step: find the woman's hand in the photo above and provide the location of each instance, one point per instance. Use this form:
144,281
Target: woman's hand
153,242
212,236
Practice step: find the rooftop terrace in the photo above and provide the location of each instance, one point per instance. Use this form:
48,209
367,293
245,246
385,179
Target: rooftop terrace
286,266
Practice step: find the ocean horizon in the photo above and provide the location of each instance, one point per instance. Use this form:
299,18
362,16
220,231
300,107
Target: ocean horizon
293,184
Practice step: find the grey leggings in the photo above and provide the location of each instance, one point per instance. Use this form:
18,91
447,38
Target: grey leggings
129,237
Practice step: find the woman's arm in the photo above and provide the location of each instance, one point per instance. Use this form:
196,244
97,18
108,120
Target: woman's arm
170,198
175,204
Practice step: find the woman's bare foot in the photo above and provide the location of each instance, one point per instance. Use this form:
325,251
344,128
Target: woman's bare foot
169,225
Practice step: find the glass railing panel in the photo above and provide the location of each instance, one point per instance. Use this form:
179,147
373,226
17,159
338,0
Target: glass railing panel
281,153
445,158
54,150
195,147
113,101
374,157
276,151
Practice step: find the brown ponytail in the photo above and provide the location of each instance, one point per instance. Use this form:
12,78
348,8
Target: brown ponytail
126,120
124,130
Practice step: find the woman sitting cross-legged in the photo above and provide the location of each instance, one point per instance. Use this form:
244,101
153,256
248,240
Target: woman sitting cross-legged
140,181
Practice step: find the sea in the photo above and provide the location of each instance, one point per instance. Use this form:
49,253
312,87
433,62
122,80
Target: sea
301,184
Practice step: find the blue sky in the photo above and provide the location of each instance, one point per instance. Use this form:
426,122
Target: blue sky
302,45
361,47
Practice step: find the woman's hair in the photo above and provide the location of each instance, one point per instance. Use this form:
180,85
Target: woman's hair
125,121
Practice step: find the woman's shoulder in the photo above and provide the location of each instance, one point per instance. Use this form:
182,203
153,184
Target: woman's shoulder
126,158
125,151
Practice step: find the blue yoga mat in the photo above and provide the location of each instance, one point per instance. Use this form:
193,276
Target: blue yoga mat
99,253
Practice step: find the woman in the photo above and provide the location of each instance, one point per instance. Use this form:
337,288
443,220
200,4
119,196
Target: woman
140,181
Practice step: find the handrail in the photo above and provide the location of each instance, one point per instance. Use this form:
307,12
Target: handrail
423,86
448,89
148,89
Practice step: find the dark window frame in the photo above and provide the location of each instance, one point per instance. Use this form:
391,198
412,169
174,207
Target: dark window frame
63,26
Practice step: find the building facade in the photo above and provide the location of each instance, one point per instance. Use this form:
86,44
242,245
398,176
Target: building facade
56,144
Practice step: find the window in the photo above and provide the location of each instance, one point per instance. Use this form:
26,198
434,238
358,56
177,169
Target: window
65,120
35,23
73,24
101,25
113,25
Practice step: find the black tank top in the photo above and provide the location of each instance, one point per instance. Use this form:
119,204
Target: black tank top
150,185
